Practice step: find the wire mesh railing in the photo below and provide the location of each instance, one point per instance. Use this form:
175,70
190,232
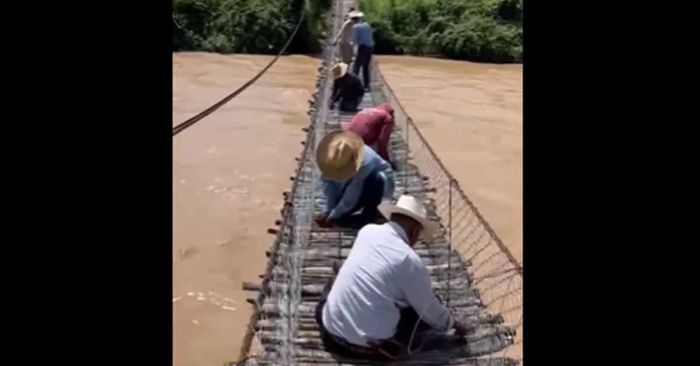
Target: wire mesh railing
494,273
275,304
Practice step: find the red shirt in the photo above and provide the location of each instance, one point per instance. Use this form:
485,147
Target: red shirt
374,125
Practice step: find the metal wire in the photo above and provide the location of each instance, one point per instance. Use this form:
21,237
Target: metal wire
494,272
194,119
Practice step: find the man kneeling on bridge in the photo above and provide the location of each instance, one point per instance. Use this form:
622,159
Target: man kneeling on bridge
354,177
374,125
381,305
347,88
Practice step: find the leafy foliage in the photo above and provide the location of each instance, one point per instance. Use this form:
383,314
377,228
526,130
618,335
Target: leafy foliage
252,26
481,30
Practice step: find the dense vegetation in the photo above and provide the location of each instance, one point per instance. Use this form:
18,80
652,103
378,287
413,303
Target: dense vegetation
480,30
248,26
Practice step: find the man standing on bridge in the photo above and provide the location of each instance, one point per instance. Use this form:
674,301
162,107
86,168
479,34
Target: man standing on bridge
354,178
345,39
365,46
381,303
374,125
347,88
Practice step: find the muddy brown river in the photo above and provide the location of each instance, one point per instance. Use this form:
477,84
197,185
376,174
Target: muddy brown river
472,116
229,170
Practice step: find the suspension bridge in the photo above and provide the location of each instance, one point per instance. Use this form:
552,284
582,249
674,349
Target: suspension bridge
471,269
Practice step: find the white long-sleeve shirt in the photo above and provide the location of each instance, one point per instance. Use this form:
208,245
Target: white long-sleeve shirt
345,34
381,275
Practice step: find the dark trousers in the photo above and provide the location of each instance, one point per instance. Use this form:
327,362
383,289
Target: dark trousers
404,330
370,198
363,59
391,349
349,104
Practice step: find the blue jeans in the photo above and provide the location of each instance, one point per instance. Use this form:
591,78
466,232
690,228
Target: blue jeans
363,61
377,185
371,197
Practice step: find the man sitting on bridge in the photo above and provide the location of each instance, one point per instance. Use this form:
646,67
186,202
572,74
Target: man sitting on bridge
374,125
354,178
347,88
381,303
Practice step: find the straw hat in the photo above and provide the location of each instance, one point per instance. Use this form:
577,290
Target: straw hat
339,70
339,155
356,14
411,207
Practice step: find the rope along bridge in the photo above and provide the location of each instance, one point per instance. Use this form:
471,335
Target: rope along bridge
471,269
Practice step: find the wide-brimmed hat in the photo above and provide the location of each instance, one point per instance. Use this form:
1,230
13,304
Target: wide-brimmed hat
356,14
411,207
339,155
339,70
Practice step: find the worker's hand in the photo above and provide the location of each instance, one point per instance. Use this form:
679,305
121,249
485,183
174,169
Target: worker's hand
323,221
460,329
321,218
